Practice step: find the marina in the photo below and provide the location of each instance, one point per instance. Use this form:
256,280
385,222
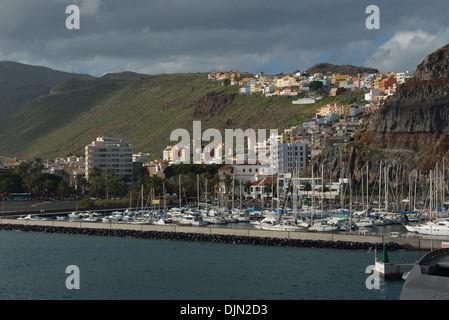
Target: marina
240,230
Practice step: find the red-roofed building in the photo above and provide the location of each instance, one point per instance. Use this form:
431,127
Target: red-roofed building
263,188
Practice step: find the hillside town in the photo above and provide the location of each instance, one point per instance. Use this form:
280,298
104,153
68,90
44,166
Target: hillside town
295,146
331,120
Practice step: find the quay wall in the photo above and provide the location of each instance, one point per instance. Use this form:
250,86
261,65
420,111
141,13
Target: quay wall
223,235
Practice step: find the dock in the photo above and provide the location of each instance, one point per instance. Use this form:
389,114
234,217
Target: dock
243,235
388,270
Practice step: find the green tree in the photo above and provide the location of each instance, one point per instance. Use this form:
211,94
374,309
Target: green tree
29,172
227,180
315,85
247,186
81,182
63,189
110,180
154,183
9,183
96,186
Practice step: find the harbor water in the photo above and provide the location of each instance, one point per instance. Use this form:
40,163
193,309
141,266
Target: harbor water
34,268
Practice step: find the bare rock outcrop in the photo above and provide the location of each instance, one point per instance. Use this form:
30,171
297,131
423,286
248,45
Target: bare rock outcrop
213,103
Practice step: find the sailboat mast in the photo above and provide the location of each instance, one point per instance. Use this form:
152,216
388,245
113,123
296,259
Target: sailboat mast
233,179
437,183
294,195
322,188
444,187
240,192
431,191
386,189
380,184
414,196
198,191
206,197
141,198
361,185
367,192
350,202
313,192
277,191
180,196
163,192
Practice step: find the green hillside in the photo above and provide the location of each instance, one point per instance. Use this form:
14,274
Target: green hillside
140,108
20,83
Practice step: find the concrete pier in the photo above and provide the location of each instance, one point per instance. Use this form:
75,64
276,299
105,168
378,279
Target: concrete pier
391,270
237,235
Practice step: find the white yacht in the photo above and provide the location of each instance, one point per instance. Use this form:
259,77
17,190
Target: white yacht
270,223
215,220
323,227
193,220
439,227
365,222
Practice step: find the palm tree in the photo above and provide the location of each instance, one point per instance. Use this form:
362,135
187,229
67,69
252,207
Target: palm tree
214,183
248,187
29,171
227,181
96,186
109,177
63,189
48,185
81,182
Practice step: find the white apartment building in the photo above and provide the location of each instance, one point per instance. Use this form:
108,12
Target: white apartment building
111,153
371,94
292,156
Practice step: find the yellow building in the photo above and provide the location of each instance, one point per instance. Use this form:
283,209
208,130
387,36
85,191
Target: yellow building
341,110
340,77
286,82
222,76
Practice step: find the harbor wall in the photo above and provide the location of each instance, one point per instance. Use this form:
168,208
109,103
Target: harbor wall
228,234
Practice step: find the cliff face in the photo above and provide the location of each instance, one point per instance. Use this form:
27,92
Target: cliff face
410,133
434,66
417,106
416,118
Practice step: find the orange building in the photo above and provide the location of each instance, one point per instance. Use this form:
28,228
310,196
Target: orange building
386,83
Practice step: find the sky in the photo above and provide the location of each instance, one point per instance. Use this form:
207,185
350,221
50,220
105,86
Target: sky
171,36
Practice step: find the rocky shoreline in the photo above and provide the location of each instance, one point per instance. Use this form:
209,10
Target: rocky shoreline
198,237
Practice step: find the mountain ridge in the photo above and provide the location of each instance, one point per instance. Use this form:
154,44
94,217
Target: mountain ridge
329,69
20,83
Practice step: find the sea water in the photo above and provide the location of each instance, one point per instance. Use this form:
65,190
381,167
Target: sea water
33,266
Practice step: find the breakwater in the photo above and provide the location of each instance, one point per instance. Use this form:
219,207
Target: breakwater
222,235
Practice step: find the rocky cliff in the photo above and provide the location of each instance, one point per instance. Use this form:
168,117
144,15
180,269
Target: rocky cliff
409,134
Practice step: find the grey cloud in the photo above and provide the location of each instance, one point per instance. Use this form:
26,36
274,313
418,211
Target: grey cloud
198,35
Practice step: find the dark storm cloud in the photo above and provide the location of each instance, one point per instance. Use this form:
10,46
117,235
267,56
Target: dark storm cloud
201,35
